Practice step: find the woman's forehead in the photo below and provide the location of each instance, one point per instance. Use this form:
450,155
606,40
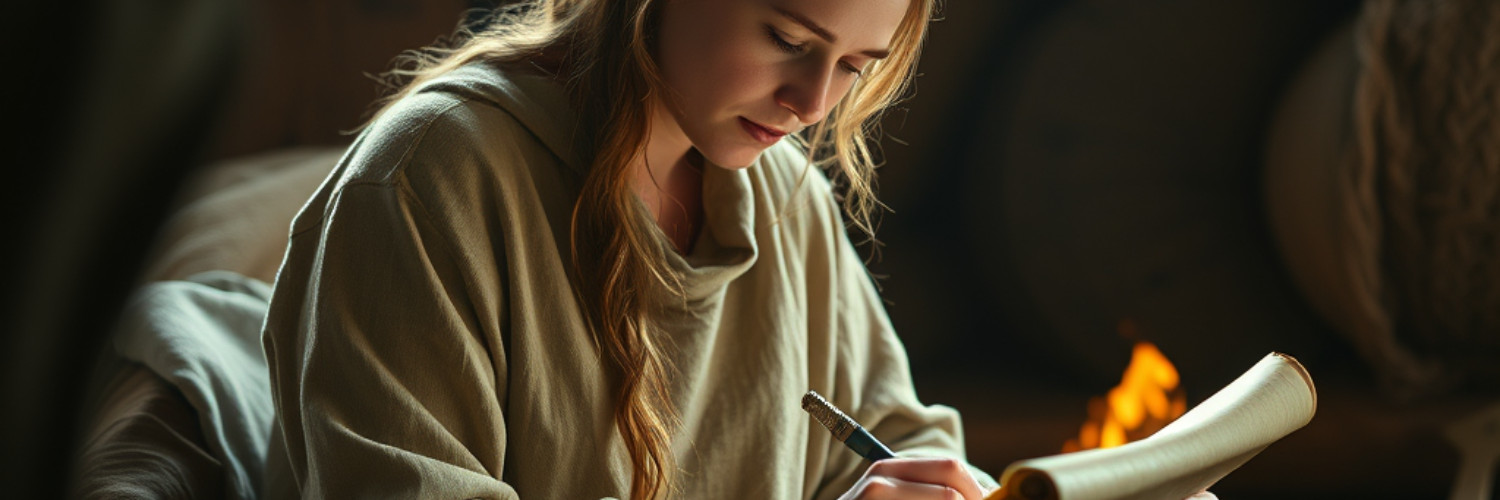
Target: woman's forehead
860,24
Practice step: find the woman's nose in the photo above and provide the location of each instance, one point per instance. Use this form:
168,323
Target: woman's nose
807,93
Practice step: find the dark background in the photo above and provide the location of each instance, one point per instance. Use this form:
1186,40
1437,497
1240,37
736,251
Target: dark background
1064,167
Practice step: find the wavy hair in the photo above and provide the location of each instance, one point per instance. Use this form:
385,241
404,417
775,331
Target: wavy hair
604,50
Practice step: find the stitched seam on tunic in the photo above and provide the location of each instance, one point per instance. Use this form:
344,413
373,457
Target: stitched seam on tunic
452,251
403,184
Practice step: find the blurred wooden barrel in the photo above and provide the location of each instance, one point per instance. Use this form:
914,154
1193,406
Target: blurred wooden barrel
1124,185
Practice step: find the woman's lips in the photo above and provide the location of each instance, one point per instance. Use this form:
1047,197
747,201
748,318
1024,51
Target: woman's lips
761,133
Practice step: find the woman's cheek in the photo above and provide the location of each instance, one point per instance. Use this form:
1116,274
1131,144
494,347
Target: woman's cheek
741,60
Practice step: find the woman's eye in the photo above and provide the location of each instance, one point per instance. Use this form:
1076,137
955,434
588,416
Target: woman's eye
850,68
782,44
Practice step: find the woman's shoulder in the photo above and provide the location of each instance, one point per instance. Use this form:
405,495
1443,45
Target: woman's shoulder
478,112
459,139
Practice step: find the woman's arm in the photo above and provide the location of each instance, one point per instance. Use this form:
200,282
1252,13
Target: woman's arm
873,382
385,382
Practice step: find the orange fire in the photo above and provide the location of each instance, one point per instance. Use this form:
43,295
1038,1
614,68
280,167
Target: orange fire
1147,399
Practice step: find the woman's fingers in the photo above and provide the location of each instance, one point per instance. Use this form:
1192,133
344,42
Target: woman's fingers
934,471
886,487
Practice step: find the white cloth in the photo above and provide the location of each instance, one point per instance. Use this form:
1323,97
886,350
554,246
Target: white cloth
203,336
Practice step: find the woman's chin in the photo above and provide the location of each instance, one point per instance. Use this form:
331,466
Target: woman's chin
737,159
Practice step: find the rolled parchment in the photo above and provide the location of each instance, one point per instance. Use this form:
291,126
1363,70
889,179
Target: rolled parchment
1272,399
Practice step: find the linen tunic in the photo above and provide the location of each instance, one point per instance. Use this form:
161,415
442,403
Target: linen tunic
424,340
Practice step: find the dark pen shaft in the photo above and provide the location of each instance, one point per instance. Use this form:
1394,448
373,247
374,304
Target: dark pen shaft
867,446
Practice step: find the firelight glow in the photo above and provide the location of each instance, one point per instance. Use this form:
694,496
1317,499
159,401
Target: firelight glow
1147,399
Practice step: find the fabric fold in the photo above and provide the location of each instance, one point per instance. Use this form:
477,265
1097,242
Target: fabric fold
202,335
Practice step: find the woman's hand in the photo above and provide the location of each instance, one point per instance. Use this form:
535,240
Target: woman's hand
916,479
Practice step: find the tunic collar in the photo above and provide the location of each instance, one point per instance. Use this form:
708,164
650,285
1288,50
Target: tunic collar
725,247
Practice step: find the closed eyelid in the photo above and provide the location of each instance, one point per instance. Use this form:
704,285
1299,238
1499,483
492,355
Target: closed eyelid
788,35
779,38
858,71
823,33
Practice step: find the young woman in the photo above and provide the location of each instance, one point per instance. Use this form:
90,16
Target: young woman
584,254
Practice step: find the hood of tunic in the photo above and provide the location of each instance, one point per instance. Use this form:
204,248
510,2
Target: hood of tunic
725,247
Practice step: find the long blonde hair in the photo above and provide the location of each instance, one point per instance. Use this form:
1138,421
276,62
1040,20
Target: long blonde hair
605,50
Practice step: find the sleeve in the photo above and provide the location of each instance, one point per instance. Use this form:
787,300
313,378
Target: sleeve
386,384
873,382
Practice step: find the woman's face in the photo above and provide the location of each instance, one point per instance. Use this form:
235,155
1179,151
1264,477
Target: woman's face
744,72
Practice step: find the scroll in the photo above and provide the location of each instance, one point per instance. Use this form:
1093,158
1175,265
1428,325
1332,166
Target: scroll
1272,399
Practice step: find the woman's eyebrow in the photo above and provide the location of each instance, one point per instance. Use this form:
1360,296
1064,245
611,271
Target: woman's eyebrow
824,33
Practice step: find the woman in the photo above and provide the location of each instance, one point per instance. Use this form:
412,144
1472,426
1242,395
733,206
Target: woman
583,255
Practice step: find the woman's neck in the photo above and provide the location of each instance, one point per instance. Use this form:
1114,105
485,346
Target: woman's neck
670,182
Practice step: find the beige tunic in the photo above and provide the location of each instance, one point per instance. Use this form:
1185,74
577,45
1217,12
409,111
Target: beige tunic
424,341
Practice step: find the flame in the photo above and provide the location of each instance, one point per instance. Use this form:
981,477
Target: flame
1147,399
